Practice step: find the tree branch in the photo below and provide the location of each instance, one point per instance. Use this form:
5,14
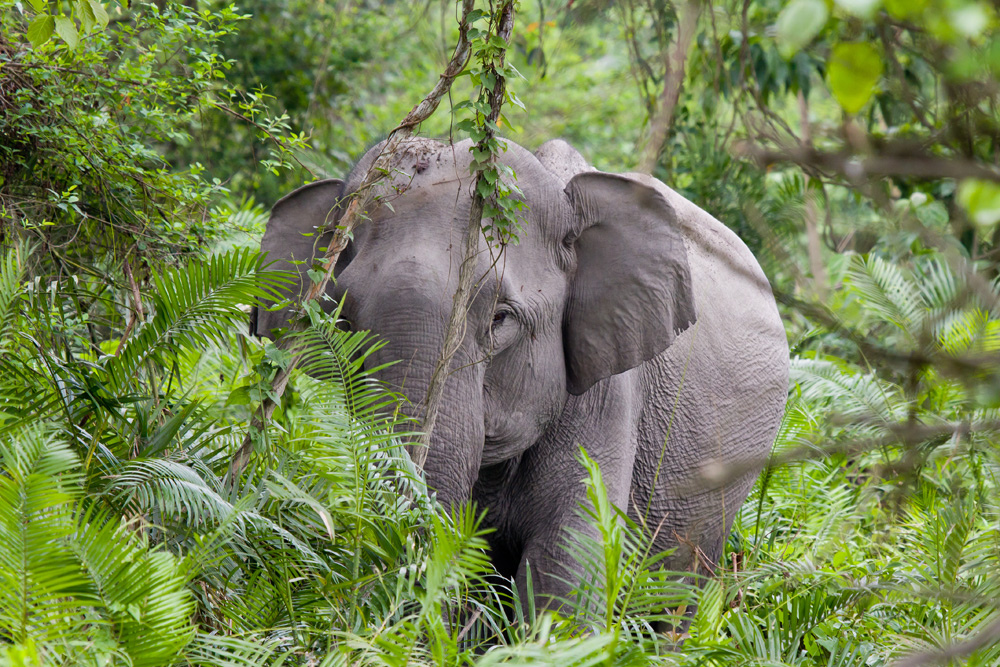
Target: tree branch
659,126
857,167
364,201
466,277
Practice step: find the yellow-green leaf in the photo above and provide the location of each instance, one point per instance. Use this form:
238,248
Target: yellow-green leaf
904,9
969,20
86,14
981,201
798,23
853,74
66,29
41,29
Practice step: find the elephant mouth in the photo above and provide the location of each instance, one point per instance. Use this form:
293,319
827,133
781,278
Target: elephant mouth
499,447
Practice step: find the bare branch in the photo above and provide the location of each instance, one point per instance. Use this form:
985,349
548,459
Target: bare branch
137,311
812,228
858,167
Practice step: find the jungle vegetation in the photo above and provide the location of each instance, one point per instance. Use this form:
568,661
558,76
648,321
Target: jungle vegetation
853,144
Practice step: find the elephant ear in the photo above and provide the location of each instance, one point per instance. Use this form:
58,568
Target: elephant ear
290,241
631,295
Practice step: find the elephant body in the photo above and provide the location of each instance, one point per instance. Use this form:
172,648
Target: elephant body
626,320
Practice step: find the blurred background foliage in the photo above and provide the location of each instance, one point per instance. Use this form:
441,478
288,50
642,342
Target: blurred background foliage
853,144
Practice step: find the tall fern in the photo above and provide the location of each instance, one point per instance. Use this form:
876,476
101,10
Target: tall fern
75,581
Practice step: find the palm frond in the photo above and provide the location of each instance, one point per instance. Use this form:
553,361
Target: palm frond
860,396
10,290
141,592
40,579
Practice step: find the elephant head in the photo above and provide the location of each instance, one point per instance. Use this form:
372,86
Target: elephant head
597,284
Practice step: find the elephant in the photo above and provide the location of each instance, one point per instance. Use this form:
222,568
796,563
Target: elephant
626,320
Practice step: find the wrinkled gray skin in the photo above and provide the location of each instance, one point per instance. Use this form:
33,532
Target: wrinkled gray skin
627,321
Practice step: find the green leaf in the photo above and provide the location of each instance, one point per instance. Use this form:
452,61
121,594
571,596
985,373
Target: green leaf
239,396
853,73
969,20
100,13
41,29
86,14
798,23
66,29
484,188
39,5
933,214
981,200
904,9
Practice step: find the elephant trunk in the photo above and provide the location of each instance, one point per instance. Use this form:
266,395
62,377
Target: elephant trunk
456,444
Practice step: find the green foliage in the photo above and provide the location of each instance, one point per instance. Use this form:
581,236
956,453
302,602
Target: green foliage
77,584
490,75
81,164
852,73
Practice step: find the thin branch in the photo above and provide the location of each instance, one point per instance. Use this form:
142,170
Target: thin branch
364,201
466,276
270,135
137,312
814,244
857,167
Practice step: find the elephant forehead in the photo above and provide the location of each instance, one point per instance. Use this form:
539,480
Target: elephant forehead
421,163
418,216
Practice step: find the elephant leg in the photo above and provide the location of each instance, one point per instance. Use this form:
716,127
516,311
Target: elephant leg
706,412
551,497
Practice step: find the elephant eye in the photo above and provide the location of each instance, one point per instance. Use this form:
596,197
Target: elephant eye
503,329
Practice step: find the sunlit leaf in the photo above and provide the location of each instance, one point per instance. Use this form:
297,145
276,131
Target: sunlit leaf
981,200
863,8
969,20
853,73
66,29
100,13
41,29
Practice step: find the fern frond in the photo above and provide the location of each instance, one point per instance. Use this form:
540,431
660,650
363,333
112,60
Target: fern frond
852,394
195,304
10,290
142,592
40,580
227,651
886,290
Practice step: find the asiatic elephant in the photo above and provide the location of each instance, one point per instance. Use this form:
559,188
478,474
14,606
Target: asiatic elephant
626,320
